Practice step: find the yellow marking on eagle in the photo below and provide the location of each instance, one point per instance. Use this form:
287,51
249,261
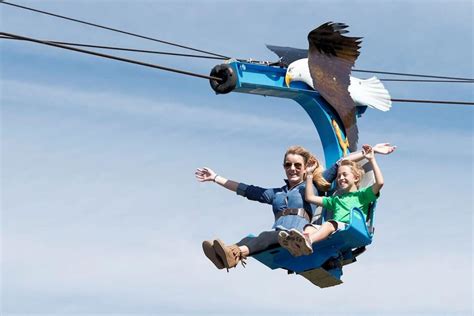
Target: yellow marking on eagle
344,143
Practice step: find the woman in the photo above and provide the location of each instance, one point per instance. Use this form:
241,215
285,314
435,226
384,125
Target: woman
289,206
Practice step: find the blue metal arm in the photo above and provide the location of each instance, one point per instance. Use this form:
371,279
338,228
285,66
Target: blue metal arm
269,81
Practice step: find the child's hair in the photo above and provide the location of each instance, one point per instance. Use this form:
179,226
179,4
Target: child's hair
355,168
318,179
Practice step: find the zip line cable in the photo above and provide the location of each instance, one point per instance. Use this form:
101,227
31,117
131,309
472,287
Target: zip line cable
214,54
112,29
417,80
111,57
181,71
122,49
219,58
410,75
432,101
460,80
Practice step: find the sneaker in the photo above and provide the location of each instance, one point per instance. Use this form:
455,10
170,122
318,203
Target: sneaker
301,241
288,242
211,254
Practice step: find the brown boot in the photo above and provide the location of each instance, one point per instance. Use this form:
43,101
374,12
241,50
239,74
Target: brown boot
230,255
211,254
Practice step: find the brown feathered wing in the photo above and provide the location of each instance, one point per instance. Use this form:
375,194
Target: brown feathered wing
331,57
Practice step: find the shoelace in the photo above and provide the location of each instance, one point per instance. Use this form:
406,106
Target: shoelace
239,256
242,260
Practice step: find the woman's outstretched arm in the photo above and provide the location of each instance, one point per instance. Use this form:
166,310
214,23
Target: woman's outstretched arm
207,174
382,148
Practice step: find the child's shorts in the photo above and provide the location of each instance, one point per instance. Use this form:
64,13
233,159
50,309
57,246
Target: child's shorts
337,225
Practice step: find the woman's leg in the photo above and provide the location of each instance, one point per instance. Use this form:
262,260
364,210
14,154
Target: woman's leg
244,250
228,256
252,245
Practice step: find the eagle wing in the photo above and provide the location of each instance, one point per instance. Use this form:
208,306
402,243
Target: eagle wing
331,57
288,54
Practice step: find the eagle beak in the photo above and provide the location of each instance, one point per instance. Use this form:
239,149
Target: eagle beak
288,79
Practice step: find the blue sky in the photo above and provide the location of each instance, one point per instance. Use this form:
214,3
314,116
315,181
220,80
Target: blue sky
100,209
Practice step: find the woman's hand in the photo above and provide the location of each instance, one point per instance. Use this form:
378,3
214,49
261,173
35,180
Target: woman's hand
205,174
384,148
310,167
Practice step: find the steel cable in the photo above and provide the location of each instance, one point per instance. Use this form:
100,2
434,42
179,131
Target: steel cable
112,29
121,49
111,56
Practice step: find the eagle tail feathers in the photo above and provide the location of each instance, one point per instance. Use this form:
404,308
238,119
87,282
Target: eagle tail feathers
370,92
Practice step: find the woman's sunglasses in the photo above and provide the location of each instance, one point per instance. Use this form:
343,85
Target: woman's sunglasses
297,165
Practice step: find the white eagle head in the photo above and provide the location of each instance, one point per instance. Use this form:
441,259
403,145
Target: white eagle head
298,71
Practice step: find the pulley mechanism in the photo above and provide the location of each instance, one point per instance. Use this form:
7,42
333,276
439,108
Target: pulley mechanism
228,78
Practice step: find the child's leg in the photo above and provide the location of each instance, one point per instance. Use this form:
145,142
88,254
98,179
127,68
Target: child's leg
298,243
322,233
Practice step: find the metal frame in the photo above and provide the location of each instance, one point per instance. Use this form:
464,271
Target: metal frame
270,81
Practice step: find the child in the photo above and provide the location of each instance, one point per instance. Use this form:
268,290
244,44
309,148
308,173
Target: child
348,176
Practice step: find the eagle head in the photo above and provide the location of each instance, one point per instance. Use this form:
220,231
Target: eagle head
298,71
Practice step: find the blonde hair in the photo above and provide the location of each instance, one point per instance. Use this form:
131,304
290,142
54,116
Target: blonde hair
318,178
355,168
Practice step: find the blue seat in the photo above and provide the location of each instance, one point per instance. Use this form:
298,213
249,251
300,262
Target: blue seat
324,266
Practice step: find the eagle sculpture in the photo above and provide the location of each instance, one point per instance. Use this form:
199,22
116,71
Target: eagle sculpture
326,67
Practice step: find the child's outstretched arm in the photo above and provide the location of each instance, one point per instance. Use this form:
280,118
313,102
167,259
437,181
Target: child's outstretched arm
309,195
370,156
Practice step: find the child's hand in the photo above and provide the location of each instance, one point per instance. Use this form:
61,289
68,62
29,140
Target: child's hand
384,148
368,152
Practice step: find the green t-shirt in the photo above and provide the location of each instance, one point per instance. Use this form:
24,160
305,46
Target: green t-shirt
344,203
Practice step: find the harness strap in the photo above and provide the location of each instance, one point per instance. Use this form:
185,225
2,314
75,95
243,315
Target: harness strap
293,211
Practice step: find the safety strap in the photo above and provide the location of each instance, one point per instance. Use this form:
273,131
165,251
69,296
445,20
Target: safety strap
293,211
